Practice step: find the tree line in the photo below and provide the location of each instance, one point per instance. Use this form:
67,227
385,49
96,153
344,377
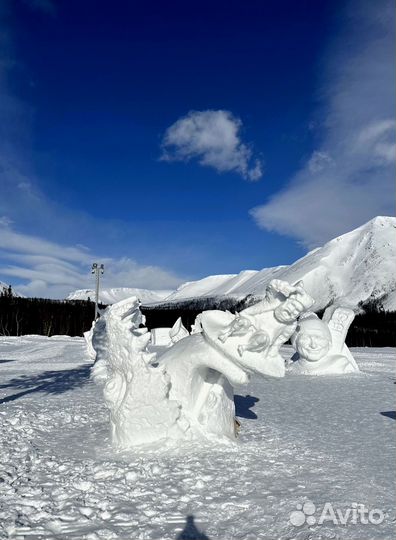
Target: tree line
373,327
21,316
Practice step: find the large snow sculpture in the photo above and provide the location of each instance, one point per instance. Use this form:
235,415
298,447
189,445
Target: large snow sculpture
320,344
135,391
187,391
204,366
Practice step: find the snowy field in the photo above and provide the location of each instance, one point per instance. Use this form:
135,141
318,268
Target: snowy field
320,439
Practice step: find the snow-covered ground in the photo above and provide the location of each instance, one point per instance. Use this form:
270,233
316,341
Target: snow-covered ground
319,439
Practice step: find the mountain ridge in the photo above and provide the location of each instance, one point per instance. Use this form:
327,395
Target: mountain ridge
352,269
116,294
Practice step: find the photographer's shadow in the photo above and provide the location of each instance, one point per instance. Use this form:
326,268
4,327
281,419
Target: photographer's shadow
191,532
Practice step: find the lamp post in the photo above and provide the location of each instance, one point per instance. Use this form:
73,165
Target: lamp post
97,269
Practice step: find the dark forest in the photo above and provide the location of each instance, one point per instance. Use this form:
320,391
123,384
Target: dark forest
20,316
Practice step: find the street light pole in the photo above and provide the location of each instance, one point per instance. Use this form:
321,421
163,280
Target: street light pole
97,269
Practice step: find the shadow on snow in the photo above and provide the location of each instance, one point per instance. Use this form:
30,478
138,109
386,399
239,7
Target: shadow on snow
191,532
389,414
48,382
243,404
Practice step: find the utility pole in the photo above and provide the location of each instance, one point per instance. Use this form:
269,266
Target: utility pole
97,269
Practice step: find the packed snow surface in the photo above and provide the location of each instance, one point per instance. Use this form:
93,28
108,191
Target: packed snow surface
319,439
111,296
352,268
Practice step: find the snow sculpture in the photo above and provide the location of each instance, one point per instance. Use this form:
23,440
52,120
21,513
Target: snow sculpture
166,337
160,337
88,342
135,391
196,328
204,366
186,392
178,331
320,344
252,338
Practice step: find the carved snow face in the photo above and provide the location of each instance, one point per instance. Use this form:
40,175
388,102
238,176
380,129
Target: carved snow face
312,345
288,311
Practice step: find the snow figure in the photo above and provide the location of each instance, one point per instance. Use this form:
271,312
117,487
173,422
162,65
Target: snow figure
160,337
320,344
253,336
204,366
196,327
187,391
178,331
166,337
136,392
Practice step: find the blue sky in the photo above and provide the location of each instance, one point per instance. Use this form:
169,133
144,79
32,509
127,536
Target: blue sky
176,140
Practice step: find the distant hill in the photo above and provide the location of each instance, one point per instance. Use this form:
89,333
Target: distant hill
111,296
354,269
4,288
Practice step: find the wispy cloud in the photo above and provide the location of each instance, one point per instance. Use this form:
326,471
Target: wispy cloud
52,270
349,177
213,138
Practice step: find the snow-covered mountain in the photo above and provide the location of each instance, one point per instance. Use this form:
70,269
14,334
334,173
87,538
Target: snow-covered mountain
111,296
356,267
4,287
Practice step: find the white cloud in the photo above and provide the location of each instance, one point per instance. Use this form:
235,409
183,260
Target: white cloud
5,221
213,138
349,177
318,161
48,269
378,138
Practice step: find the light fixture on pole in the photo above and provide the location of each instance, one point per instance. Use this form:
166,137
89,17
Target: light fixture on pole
97,269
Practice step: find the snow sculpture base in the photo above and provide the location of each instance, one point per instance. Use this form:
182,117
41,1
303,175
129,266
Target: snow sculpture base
88,342
320,344
187,391
201,379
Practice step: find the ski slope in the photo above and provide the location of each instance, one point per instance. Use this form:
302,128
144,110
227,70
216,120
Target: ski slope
318,439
